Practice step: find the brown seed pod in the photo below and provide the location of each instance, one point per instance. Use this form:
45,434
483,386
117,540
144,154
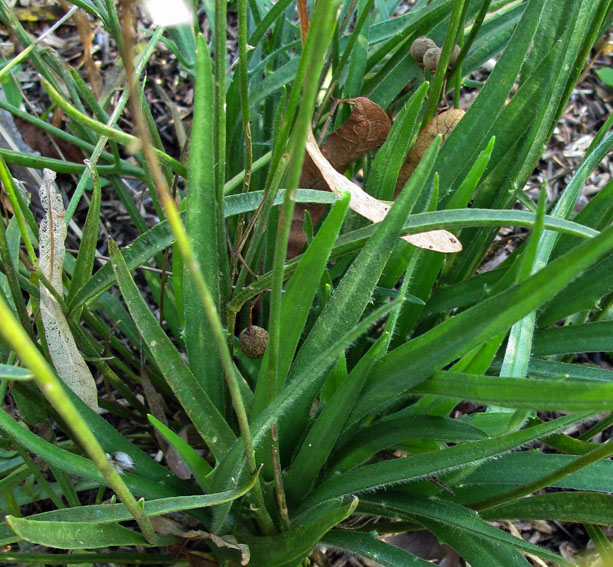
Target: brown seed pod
419,48
442,124
454,55
431,58
253,341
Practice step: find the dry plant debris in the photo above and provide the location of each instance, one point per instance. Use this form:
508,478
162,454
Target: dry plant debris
366,129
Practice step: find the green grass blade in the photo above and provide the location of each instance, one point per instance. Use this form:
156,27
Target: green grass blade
386,473
591,337
317,447
8,372
289,548
156,239
196,402
491,99
481,552
513,392
72,535
395,429
553,369
201,226
75,464
197,465
590,507
352,295
513,471
101,514
583,294
298,298
456,336
464,521
391,156
371,548
87,249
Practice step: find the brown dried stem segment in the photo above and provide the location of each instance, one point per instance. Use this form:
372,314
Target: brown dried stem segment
442,124
366,128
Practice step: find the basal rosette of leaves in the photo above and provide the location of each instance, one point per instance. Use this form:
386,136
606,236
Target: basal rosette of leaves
331,205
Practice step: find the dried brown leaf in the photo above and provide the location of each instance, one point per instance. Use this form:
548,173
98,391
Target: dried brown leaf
372,209
366,128
166,526
66,358
442,124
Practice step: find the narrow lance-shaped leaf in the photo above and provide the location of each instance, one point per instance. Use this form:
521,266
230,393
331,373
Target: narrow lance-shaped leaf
298,298
72,535
513,392
433,350
350,298
452,515
201,225
372,548
386,473
585,507
197,404
87,249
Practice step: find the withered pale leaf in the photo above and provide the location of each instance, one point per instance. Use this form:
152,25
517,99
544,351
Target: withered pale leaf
373,209
366,128
66,358
442,124
165,526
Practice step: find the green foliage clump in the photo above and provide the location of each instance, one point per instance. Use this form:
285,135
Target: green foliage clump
347,407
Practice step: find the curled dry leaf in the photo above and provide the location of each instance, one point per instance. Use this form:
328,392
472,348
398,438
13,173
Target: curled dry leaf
166,526
373,209
67,360
442,124
366,129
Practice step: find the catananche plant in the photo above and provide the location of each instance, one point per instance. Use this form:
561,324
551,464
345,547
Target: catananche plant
296,366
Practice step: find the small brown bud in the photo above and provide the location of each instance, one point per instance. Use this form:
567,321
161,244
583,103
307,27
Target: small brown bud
419,48
431,59
253,341
454,55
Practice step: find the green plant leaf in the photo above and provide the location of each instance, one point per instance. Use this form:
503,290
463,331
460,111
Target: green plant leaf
317,447
197,465
584,507
289,548
519,393
196,402
201,225
591,337
74,535
107,515
455,517
367,545
396,428
606,75
456,336
386,473
517,469
479,551
87,250
8,372
353,293
391,156
298,298
554,369
490,101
